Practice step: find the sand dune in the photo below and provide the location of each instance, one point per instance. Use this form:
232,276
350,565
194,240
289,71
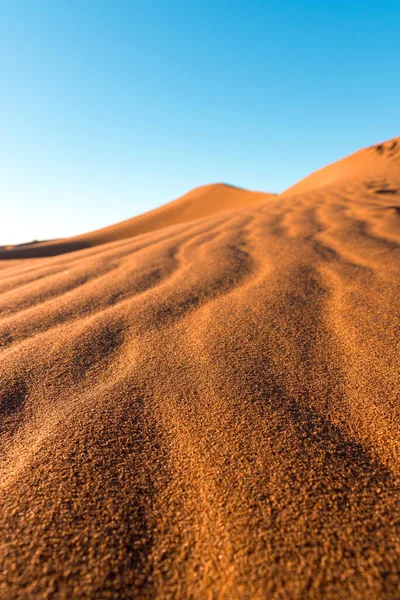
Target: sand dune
371,167
199,203
210,409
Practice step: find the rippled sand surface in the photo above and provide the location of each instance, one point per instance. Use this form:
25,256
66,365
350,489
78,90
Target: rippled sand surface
210,410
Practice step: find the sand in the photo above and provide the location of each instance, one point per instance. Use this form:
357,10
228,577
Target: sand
208,408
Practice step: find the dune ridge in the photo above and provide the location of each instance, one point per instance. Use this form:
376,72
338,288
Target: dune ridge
210,409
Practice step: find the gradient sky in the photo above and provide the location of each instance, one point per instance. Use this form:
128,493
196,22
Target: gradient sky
109,109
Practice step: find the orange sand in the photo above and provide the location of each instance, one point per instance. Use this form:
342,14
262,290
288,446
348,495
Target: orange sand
209,409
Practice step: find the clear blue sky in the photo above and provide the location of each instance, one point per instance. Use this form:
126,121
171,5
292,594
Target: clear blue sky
109,109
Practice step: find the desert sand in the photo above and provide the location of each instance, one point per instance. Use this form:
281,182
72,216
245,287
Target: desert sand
203,402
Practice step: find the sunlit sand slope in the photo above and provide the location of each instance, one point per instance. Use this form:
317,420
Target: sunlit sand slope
371,167
209,410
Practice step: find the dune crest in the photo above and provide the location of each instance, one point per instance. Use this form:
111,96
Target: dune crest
210,409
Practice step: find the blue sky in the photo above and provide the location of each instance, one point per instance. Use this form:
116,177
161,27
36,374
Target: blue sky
109,109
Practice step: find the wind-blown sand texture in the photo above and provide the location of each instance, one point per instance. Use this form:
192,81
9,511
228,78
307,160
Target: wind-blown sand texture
210,409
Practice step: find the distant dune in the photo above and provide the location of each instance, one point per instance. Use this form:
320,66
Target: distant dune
201,202
203,401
